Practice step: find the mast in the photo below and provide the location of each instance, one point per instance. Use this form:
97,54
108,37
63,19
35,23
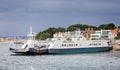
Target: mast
31,35
31,30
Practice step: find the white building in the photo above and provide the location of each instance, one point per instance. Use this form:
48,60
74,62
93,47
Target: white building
71,34
104,34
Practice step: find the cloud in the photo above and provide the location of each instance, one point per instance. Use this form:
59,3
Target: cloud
77,6
54,13
60,6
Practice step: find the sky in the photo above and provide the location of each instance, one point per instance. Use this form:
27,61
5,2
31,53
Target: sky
16,16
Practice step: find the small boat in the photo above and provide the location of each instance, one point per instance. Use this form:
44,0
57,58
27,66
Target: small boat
17,50
32,46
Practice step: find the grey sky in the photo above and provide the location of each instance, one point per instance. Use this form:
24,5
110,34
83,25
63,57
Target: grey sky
17,15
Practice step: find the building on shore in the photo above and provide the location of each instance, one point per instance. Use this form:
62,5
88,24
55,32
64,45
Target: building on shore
87,32
101,34
105,34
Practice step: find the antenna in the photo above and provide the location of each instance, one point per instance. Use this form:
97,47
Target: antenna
31,35
31,30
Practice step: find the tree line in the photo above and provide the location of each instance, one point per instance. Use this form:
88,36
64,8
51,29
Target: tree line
48,33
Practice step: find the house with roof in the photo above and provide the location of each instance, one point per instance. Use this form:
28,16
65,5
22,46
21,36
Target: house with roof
105,34
113,33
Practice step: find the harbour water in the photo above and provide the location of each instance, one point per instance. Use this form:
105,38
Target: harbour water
82,61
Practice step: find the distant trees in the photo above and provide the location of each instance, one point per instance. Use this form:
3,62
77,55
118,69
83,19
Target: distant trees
44,36
107,26
74,27
48,33
59,29
79,26
118,36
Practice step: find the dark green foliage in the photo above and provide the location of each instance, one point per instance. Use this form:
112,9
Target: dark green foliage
74,27
102,26
38,35
118,26
118,36
59,29
79,26
107,26
49,33
94,27
44,36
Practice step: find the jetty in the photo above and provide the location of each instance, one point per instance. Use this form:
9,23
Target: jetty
115,44
4,40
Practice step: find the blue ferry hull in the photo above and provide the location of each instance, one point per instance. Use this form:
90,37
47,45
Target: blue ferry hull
79,50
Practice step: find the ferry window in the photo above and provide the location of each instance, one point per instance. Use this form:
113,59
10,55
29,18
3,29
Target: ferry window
95,44
76,44
71,44
90,44
64,44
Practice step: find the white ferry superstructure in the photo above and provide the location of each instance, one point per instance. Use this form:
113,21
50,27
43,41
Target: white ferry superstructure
76,43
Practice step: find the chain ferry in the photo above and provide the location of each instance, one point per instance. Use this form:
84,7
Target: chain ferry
62,43
75,42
